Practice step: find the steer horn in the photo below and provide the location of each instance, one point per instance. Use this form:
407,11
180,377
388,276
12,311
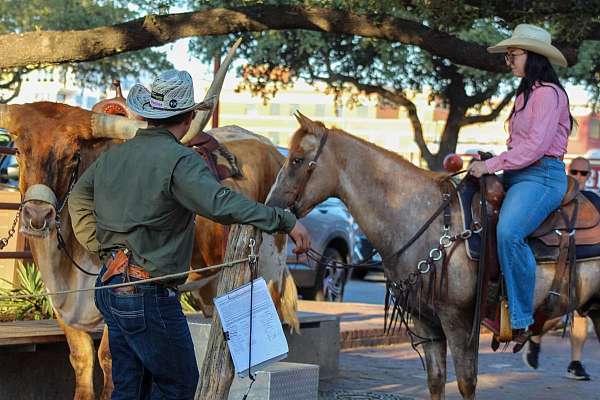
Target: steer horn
203,116
115,126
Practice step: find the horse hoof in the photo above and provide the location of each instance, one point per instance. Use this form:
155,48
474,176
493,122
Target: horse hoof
495,344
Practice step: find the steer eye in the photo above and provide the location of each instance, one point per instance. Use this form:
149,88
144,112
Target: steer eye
297,161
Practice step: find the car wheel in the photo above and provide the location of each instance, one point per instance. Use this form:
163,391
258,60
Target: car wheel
331,281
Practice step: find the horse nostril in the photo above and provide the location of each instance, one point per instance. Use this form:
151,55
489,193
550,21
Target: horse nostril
37,218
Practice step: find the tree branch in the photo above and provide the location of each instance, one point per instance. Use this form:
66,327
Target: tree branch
53,47
476,119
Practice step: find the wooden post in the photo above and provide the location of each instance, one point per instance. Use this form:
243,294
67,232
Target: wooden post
217,370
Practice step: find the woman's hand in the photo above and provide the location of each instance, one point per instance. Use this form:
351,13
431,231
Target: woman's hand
478,168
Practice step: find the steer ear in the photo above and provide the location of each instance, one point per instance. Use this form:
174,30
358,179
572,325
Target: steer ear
7,119
115,126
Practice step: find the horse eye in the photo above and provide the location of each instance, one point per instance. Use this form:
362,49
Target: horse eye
297,161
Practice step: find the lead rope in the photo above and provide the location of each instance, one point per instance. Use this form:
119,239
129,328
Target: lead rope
252,262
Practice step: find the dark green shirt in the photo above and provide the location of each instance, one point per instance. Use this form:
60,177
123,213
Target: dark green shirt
143,195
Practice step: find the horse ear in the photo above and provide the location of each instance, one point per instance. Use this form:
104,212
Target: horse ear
308,124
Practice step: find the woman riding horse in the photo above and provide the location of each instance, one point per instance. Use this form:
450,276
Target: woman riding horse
534,173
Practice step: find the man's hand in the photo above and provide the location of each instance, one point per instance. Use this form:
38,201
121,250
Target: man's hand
301,238
478,168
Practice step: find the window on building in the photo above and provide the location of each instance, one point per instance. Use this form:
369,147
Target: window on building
275,109
362,111
387,112
320,110
251,109
594,129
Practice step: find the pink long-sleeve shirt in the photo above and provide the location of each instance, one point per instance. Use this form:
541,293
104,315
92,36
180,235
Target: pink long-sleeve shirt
540,129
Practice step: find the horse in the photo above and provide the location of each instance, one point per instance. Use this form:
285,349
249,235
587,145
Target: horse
390,198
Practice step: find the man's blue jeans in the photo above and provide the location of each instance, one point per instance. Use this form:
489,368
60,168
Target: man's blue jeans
150,343
532,194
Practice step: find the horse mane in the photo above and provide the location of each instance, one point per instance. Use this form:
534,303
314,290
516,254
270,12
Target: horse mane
318,125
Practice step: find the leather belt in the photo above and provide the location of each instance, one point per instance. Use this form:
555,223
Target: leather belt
119,264
539,162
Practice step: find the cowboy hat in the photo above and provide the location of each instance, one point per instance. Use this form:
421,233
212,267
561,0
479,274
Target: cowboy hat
171,93
531,38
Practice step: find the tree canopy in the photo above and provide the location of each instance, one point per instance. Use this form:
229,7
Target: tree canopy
20,17
386,47
392,70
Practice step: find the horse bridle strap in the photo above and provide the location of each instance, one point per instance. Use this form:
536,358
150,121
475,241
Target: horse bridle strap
311,167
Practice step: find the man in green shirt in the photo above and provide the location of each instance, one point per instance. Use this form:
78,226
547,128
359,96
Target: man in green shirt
137,202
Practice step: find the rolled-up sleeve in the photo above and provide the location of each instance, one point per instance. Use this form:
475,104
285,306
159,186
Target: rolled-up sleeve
81,210
541,126
194,187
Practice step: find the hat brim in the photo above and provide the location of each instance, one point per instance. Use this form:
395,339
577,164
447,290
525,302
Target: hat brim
138,101
547,50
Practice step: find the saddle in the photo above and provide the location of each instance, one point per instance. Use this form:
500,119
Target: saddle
205,145
570,233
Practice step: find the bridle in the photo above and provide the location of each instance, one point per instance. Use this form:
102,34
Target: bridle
46,195
61,241
311,167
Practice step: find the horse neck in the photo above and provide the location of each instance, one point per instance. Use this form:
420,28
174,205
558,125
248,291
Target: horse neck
386,194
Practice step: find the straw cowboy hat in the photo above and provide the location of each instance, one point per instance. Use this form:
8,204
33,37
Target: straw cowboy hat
171,93
531,38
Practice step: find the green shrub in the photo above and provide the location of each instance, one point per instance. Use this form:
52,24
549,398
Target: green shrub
30,283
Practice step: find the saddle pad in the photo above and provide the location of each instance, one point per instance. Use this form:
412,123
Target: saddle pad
540,250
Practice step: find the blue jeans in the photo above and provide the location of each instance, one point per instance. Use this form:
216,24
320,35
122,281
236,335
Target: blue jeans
532,194
150,343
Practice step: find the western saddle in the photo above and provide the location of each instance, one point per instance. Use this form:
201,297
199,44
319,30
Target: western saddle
575,223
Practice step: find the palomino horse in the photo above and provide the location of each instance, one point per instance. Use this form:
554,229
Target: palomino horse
390,198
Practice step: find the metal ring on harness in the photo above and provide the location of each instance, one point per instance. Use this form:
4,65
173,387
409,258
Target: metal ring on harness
423,270
436,254
571,233
446,241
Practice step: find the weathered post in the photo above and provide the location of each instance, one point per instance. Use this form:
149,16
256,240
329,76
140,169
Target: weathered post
217,370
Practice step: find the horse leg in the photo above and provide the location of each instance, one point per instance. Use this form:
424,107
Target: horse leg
105,360
82,354
457,327
435,358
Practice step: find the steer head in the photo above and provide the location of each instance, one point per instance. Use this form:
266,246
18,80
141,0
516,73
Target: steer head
55,143
303,182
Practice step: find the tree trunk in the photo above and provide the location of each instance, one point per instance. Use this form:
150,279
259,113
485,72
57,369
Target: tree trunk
217,370
449,138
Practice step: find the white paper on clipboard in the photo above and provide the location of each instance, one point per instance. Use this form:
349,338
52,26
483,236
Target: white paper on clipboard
268,340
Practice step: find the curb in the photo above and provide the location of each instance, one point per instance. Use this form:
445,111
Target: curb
369,338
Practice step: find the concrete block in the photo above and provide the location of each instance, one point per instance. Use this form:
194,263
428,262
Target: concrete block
318,342
279,381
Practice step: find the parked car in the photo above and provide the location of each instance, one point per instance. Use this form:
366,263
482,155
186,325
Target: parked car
370,259
333,234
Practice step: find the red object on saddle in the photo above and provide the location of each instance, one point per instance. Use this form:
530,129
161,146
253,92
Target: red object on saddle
452,163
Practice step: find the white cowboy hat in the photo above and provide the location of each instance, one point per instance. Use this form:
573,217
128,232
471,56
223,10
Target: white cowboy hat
531,38
171,93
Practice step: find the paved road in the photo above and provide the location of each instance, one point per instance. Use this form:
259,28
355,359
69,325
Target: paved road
371,290
503,376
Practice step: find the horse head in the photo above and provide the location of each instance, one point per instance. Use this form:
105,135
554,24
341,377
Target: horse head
309,174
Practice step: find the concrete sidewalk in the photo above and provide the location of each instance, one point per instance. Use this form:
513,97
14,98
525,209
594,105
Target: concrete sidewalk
395,372
361,325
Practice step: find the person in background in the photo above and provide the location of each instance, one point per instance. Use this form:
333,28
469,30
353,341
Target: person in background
579,169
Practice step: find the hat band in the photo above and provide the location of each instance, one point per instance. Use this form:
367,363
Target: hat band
164,109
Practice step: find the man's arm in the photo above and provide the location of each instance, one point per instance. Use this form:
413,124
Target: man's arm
81,209
195,188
